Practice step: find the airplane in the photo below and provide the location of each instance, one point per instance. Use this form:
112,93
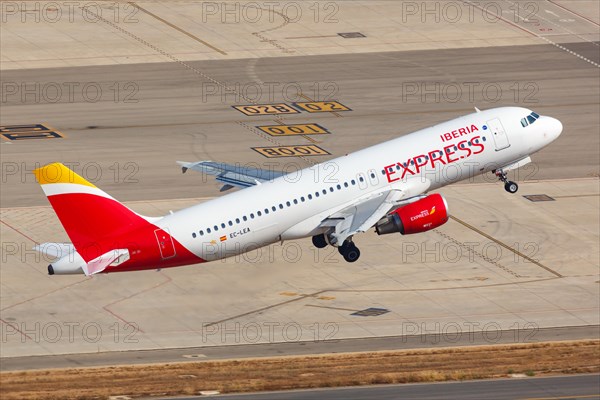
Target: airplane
386,187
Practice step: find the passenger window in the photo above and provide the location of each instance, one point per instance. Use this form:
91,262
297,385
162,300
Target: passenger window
237,220
258,213
275,208
251,215
223,225
208,230
353,182
194,235
281,206
310,196
216,228
245,218
287,203
230,223
201,233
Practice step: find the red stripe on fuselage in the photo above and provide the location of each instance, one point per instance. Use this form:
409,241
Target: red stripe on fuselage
97,225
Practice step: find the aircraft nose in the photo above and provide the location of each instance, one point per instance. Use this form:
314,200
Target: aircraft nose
555,127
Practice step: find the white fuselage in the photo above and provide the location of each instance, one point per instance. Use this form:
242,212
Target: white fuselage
294,205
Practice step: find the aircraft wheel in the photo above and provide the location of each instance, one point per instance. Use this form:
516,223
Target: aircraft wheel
319,241
511,187
349,251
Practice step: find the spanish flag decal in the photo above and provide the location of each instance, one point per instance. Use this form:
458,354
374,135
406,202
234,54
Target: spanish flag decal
223,238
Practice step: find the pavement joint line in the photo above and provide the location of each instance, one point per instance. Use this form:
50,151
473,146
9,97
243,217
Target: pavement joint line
482,256
45,294
531,260
331,308
177,28
187,66
440,288
19,232
301,297
107,309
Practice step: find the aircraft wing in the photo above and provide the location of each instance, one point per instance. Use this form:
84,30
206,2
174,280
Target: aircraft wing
231,175
367,211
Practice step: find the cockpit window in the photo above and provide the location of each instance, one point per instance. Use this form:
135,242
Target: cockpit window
530,119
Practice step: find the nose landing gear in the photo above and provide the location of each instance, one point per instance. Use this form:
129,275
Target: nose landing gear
509,186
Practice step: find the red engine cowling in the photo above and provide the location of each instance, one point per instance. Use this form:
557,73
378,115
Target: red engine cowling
420,216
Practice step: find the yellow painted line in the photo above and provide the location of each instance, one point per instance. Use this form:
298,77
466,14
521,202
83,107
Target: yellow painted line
164,21
321,106
493,239
294,129
266,109
291,151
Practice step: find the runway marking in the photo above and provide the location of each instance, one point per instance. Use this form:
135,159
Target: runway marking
266,109
178,28
530,32
573,12
321,106
293,129
291,151
517,252
28,132
545,38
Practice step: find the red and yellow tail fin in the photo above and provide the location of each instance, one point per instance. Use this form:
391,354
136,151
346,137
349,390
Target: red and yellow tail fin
89,215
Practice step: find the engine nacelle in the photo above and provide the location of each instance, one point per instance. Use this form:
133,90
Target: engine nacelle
417,217
72,263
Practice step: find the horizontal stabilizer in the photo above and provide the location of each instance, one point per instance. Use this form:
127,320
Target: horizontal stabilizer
111,258
55,250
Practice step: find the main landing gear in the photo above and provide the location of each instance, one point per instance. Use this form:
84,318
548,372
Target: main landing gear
348,249
509,186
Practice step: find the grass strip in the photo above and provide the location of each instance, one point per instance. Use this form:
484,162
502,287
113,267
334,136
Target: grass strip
301,372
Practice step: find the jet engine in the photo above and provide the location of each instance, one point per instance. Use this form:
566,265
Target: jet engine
420,216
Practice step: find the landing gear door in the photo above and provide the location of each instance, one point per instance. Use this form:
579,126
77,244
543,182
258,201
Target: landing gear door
165,243
499,134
